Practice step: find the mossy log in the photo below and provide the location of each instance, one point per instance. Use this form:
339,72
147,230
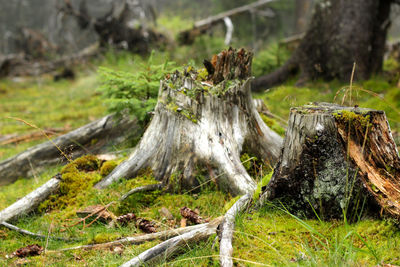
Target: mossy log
204,118
337,160
91,138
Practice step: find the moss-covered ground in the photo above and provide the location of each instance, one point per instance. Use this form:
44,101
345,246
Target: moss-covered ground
269,236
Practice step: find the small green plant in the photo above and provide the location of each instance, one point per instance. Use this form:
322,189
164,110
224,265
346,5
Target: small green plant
134,93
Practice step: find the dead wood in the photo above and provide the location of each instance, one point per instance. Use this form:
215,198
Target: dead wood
163,235
26,232
144,188
37,135
89,139
200,27
226,229
337,160
30,201
20,65
170,247
203,123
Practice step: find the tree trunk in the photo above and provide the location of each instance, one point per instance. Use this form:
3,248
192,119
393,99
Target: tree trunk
91,138
341,33
337,160
204,122
302,12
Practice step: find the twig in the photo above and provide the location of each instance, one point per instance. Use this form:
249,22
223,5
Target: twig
90,215
145,188
139,239
170,246
26,232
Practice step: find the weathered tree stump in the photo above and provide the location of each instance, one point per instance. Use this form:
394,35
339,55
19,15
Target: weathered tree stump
337,160
204,118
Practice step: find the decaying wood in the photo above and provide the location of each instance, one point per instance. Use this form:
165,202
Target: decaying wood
226,230
20,65
144,188
134,240
91,138
202,26
194,126
15,139
26,232
173,245
334,158
30,201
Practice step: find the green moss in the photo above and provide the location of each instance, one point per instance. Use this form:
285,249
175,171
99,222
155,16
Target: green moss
264,182
273,124
76,178
349,116
104,238
108,167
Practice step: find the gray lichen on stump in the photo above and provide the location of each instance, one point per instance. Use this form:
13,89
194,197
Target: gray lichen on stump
206,118
337,160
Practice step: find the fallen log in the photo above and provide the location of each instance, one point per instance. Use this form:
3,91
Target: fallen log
226,229
205,121
91,138
337,161
30,201
200,27
168,248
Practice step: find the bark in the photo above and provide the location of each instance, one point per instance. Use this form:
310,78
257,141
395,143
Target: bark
203,123
340,33
200,27
302,11
168,248
30,201
227,227
91,138
337,160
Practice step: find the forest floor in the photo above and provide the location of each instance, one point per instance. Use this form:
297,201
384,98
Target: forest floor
267,236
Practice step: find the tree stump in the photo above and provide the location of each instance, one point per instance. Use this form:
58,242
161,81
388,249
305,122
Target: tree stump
337,160
204,118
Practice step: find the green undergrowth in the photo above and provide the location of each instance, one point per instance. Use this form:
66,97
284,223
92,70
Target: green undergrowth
58,214
376,93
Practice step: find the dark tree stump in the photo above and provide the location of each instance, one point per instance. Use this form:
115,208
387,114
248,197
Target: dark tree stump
337,160
204,118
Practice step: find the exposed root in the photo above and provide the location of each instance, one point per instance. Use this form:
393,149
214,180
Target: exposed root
134,240
226,230
171,246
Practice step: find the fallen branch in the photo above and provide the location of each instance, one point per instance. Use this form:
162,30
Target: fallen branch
145,188
91,138
169,247
30,201
134,240
227,226
201,26
26,232
13,139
